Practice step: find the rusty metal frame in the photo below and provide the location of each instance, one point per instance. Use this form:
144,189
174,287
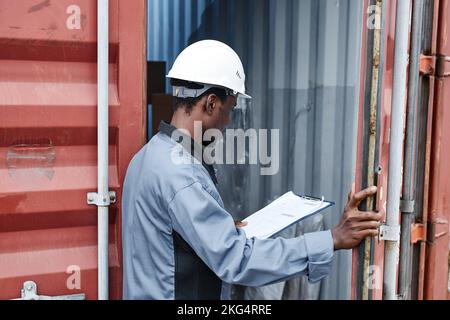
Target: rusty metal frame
435,252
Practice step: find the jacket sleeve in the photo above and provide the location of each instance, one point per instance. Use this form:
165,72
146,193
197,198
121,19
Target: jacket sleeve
210,231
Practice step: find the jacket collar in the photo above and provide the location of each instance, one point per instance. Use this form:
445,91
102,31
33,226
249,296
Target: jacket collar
196,150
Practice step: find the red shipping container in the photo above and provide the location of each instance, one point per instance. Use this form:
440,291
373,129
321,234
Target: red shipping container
48,139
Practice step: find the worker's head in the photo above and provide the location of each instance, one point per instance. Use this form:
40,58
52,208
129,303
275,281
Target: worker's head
213,107
207,78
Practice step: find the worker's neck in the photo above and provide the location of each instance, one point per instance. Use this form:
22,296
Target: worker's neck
186,122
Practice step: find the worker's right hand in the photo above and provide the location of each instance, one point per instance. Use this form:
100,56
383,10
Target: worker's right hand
240,224
356,225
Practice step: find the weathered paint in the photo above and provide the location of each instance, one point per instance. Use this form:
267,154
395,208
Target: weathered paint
433,268
437,250
48,136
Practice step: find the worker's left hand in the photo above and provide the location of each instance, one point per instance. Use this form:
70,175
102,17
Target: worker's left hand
356,225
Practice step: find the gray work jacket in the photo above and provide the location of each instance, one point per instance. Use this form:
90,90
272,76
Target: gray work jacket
180,243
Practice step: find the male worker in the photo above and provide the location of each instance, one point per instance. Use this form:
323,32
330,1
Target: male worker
178,240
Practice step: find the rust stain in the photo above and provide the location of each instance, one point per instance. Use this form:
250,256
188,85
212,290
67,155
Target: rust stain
39,6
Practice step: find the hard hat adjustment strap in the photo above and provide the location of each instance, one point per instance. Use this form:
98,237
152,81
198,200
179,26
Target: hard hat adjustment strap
183,92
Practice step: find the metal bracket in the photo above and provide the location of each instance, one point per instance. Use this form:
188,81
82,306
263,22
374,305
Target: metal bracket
94,199
389,233
418,233
427,65
407,206
29,292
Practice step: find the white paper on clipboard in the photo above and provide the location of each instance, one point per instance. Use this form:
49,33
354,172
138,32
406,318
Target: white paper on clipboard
282,213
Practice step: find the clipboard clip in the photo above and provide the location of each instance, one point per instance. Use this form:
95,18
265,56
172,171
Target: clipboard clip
312,200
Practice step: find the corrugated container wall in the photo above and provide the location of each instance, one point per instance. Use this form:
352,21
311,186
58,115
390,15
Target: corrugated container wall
302,60
48,139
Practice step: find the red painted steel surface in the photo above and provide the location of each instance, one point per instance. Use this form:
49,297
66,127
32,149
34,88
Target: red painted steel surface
429,143
48,137
376,271
437,251
434,253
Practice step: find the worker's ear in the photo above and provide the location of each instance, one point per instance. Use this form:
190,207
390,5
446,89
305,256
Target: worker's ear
211,102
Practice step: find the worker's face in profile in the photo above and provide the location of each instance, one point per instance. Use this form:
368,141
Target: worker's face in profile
219,113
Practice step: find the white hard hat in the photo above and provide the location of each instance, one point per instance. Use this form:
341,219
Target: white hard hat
210,63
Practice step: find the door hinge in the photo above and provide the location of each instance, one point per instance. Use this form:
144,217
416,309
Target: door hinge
29,292
418,233
427,65
443,66
438,66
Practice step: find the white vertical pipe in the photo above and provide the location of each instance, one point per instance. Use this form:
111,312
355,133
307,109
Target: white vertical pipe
102,127
391,253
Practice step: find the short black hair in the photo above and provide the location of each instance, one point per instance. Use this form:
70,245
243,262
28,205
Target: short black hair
189,103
